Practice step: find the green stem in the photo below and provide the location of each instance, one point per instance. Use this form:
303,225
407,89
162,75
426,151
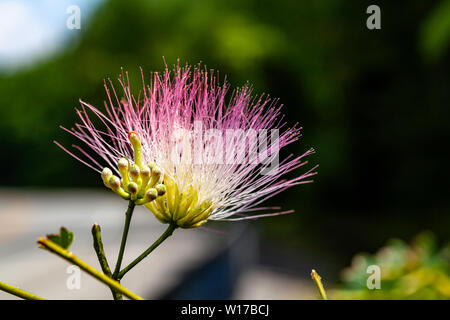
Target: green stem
126,227
318,280
70,257
163,237
18,292
98,246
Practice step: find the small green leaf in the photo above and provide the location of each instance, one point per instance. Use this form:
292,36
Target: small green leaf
63,239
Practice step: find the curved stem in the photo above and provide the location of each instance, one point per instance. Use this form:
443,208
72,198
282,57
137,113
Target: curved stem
70,257
98,247
163,237
18,292
126,227
318,280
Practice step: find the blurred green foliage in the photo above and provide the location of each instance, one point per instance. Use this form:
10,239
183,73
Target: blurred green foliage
417,271
435,37
373,103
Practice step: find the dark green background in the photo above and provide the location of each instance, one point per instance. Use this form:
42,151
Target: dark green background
373,103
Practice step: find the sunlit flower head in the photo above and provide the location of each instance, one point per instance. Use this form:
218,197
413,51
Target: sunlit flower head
217,152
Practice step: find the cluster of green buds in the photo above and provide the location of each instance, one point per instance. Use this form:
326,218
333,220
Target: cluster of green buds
139,183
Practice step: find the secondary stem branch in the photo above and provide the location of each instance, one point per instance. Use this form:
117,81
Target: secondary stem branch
98,246
18,292
70,257
126,227
318,280
163,237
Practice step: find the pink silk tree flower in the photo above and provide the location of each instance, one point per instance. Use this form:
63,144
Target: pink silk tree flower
202,156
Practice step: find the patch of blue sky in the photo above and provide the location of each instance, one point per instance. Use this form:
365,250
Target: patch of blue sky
32,30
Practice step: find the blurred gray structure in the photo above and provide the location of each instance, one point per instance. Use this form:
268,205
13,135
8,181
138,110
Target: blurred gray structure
217,262
25,215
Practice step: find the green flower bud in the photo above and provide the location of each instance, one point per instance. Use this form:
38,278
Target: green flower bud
124,167
145,178
114,182
145,173
115,185
156,176
151,194
133,189
161,189
123,164
134,172
137,148
106,175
